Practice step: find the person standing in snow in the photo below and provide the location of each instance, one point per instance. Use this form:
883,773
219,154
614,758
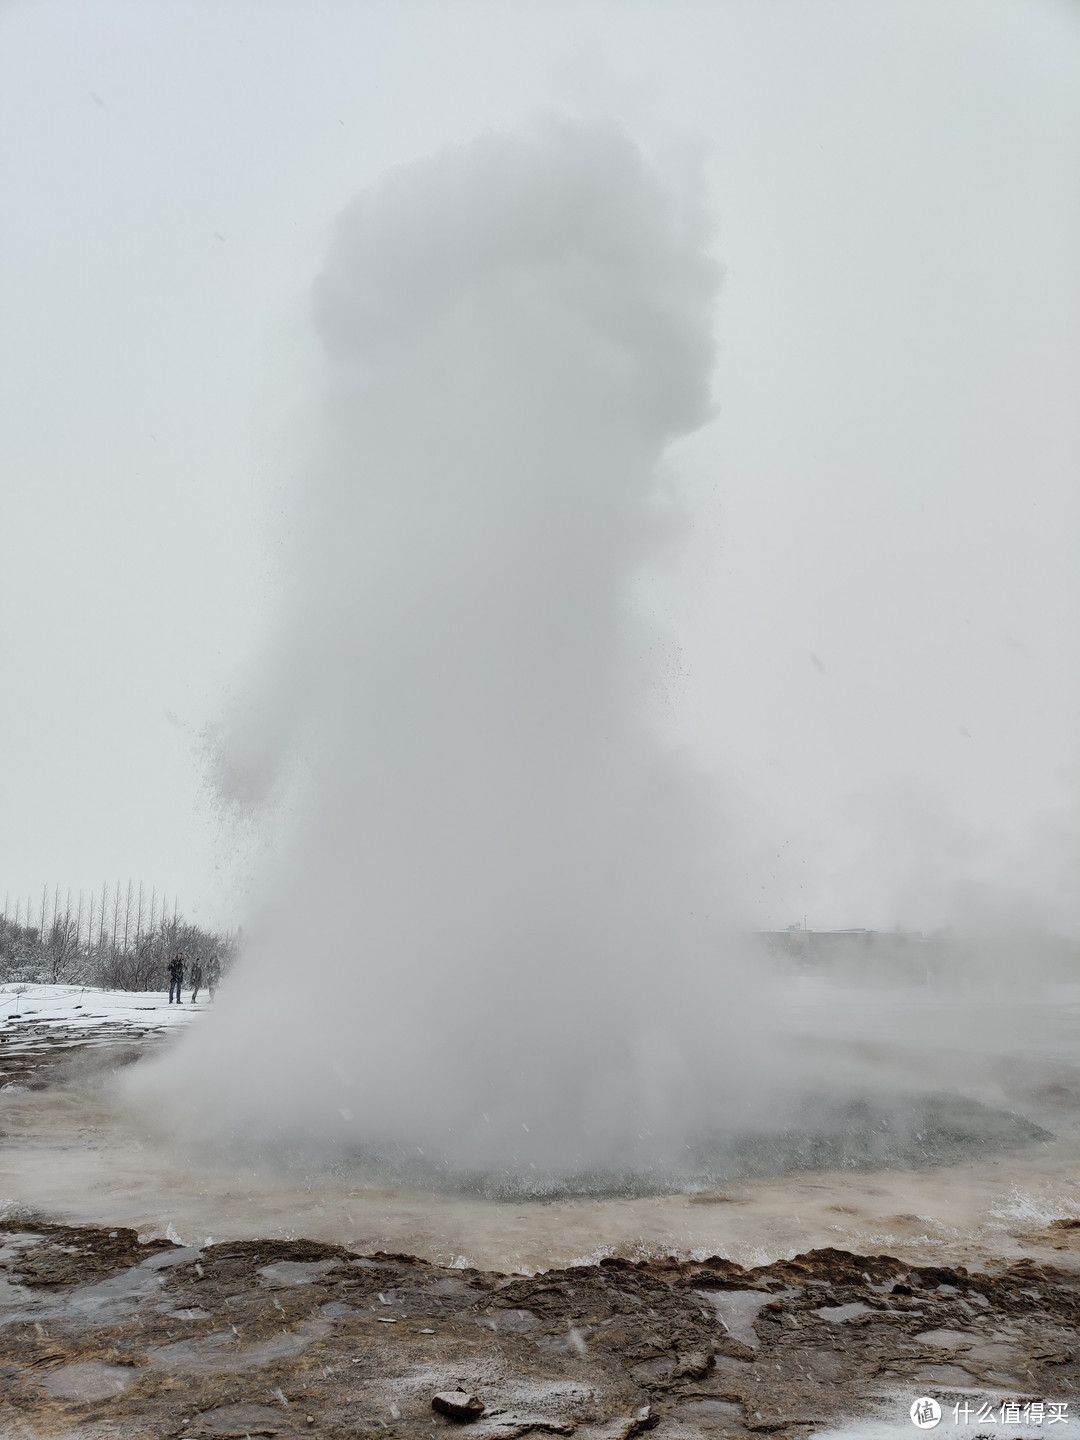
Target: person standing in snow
213,975
176,976
196,978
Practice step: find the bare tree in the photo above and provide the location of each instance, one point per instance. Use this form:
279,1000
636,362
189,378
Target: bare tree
101,917
56,949
61,949
127,913
116,916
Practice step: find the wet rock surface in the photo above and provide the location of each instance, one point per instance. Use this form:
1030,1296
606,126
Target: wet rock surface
102,1335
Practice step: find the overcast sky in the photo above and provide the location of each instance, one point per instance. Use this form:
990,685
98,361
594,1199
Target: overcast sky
878,607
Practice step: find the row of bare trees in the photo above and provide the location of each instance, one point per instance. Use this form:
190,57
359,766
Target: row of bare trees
119,938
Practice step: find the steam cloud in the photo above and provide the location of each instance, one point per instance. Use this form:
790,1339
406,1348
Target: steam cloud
496,938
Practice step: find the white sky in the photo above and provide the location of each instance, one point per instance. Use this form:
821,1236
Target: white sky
890,486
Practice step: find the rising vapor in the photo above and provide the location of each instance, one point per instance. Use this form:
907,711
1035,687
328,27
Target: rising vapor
496,938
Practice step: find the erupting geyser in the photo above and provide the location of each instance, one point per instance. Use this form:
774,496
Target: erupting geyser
496,940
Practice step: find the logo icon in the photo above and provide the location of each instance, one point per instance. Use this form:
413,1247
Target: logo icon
925,1412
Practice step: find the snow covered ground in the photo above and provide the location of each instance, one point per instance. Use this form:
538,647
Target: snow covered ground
42,1024
81,1007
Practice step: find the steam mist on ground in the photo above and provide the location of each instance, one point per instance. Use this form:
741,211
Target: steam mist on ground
502,937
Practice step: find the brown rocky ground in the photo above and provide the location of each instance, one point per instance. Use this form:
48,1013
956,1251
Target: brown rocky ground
101,1335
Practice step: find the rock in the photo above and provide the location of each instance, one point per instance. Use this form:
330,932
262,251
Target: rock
457,1404
643,1420
693,1366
